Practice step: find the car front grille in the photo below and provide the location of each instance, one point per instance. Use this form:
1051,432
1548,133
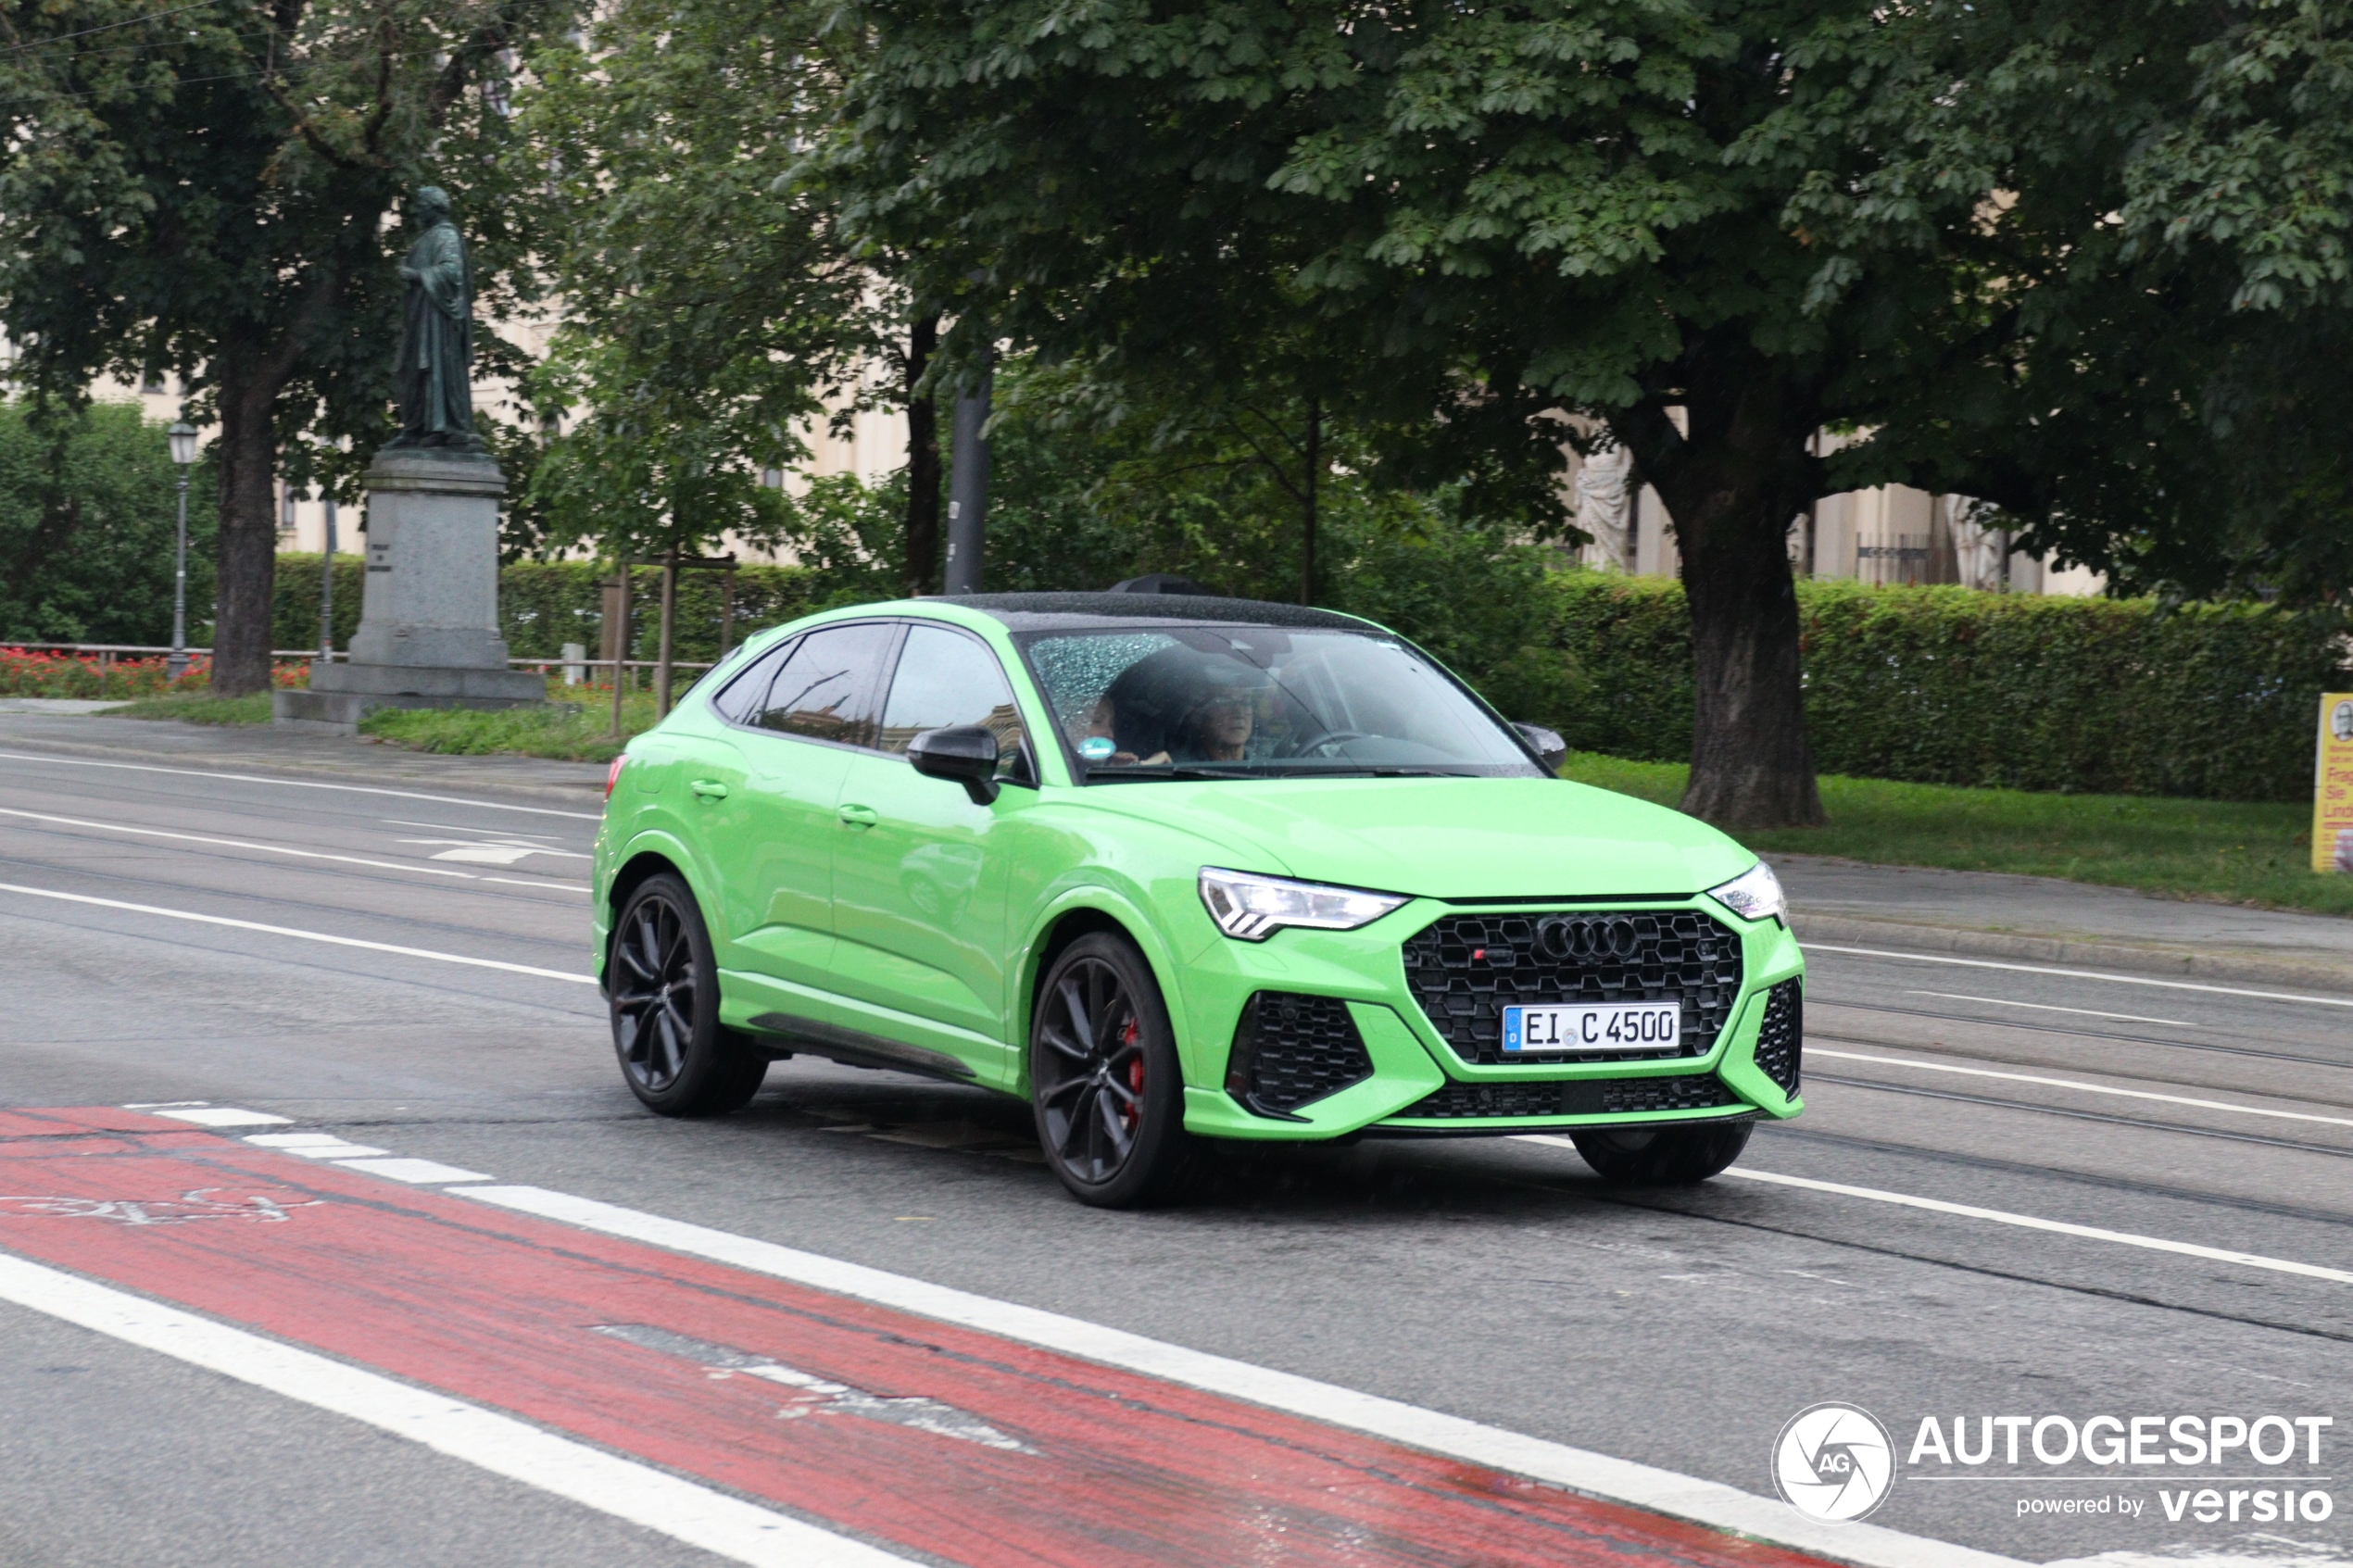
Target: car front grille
1572,1096
1780,1039
1291,1048
1465,970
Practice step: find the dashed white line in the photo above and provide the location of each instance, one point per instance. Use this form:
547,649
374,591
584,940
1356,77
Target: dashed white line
2082,1088
299,935
300,784
288,850
696,1515
224,1116
2082,974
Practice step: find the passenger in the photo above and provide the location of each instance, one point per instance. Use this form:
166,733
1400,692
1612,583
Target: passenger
1100,745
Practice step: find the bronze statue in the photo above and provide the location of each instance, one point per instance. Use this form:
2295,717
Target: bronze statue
433,374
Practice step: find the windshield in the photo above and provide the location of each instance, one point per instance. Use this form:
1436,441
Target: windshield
1254,702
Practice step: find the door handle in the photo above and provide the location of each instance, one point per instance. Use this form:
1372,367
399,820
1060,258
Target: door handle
709,789
859,816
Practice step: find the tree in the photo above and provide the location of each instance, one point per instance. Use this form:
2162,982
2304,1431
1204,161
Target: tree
203,189
1714,229
86,529
711,309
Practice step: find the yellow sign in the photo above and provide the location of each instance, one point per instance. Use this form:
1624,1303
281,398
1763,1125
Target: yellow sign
2333,786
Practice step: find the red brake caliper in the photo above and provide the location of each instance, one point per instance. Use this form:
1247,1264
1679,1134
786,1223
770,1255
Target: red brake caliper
1135,1067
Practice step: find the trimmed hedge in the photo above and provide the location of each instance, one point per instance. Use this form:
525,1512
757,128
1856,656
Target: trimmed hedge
1947,685
542,605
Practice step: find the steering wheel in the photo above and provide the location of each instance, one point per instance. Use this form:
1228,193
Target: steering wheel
1331,738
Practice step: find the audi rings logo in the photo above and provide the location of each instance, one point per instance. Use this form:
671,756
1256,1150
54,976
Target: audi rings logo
1614,937
1835,1463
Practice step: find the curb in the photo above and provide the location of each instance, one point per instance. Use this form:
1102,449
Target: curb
2318,973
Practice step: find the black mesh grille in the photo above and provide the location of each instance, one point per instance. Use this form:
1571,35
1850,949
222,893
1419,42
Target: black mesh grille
1574,1096
1466,969
1781,1040
1291,1048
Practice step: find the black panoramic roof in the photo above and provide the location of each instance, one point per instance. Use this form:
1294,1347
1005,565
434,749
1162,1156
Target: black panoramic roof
1045,612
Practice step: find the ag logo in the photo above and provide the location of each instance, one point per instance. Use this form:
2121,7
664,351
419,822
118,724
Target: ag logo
1834,1462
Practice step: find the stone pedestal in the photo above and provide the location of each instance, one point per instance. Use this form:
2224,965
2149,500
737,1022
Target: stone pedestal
428,632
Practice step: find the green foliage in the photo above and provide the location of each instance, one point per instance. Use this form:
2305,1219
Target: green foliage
543,606
199,708
1948,686
293,622
567,731
2241,852
710,309
88,509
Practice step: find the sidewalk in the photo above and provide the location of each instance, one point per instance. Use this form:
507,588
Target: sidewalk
266,749
2043,920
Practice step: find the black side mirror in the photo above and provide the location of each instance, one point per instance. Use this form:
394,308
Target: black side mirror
967,753
1549,749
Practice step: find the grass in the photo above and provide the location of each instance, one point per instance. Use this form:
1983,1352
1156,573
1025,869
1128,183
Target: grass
576,726
2235,851
198,708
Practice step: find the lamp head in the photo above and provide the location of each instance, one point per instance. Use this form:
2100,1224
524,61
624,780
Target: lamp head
182,436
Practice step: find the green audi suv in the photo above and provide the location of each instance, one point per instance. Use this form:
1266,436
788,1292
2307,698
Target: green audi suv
1177,868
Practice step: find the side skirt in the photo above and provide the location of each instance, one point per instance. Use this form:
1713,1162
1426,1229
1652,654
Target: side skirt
781,1034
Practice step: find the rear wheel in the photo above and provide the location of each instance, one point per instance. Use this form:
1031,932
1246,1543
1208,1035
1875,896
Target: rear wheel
1655,1157
1108,1097
663,985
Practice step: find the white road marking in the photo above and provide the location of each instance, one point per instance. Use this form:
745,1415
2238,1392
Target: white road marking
2045,1007
227,1116
639,1494
2082,975
300,935
453,827
303,854
1710,1504
2003,1217
314,1146
494,852
421,1173
2082,1088
301,783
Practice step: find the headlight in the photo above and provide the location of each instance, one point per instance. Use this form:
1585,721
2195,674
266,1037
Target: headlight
1756,893
1253,907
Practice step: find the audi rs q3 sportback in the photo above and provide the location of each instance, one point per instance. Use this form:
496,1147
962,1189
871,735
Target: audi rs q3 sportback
1177,868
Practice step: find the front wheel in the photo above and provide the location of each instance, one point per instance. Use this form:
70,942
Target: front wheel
663,983
1108,1097
1661,1156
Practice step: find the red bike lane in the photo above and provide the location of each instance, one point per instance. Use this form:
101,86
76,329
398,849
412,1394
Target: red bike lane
916,1434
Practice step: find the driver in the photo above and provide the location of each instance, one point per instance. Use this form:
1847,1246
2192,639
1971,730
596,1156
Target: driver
1217,728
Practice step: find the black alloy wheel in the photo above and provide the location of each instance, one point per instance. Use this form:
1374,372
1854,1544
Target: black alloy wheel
663,985
1661,1156
1103,1076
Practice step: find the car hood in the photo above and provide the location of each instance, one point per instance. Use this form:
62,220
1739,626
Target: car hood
1446,838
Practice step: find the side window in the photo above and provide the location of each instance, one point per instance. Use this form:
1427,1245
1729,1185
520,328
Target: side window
746,694
826,688
945,678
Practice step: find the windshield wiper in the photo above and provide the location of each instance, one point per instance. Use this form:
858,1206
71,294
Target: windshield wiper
1170,770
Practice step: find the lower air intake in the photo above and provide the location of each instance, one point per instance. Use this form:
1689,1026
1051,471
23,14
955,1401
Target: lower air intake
1574,1096
1291,1048
1781,1040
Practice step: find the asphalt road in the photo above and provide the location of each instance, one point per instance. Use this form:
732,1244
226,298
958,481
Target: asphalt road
2106,1139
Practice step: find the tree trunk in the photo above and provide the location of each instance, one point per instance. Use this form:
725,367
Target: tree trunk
1751,764
248,536
1307,501
1734,477
922,463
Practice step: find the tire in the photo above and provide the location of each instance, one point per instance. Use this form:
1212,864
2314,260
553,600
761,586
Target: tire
662,984
1661,1156
1104,1078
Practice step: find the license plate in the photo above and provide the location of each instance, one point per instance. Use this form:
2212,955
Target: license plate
1621,1026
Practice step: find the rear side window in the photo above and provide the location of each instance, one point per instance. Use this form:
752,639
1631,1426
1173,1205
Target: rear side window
824,689
946,679
745,696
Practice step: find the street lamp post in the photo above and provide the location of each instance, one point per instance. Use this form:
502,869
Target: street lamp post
182,436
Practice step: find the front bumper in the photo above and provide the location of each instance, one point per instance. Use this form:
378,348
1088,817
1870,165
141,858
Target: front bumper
1419,1084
